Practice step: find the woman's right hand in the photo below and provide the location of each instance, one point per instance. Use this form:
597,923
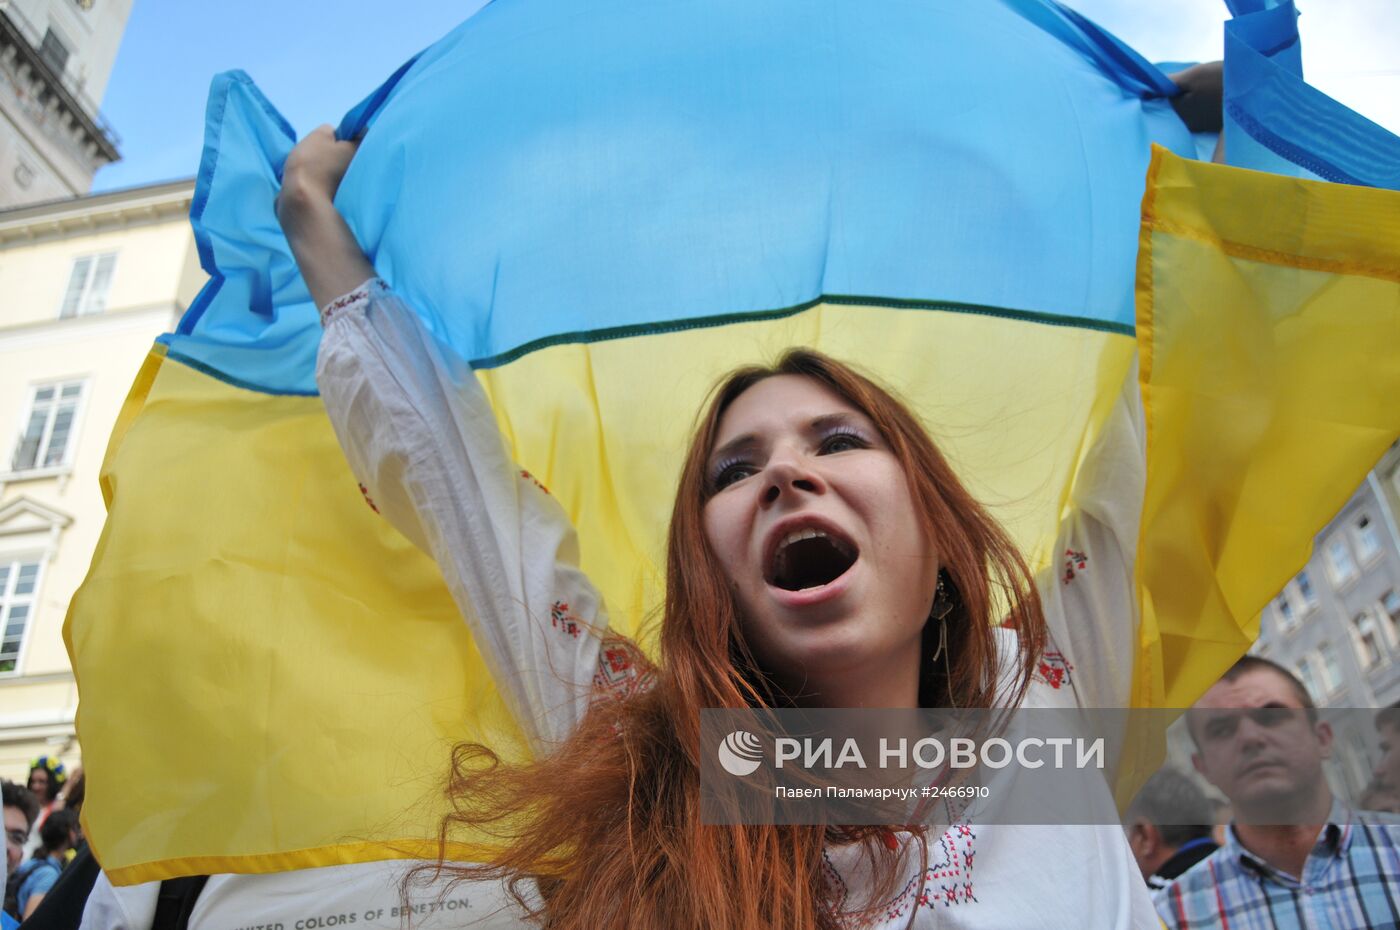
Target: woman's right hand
312,173
331,261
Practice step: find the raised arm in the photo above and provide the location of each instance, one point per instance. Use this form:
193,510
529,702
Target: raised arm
331,261
422,440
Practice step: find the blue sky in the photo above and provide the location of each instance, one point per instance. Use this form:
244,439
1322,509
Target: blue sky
316,59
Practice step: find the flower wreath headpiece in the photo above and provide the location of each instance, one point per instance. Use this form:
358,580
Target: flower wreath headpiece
55,768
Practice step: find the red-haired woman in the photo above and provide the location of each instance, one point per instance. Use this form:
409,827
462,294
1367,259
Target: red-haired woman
821,552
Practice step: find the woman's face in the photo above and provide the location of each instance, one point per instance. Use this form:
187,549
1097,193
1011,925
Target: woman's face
39,783
812,520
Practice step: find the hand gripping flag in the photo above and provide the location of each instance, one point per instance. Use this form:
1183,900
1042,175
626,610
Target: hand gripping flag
604,208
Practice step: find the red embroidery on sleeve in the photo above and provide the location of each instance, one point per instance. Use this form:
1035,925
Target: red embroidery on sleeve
340,303
1054,669
1075,562
561,619
533,480
364,492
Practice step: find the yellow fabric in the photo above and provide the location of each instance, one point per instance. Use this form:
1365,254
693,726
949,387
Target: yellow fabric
271,678
1269,340
1014,406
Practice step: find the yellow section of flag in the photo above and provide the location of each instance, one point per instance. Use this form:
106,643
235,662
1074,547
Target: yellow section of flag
271,677
1269,343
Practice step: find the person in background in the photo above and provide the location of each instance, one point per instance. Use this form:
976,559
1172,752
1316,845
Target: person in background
58,835
1169,827
46,778
1294,854
73,793
20,808
63,906
1387,771
1223,815
1380,798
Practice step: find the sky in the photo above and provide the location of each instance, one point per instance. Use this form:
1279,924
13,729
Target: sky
316,59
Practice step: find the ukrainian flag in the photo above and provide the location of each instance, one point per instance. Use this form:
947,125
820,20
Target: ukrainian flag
604,208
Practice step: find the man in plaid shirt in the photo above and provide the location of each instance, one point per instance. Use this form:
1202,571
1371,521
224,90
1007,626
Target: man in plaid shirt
1295,857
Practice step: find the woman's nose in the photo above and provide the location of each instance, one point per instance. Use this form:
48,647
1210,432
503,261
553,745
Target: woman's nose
789,474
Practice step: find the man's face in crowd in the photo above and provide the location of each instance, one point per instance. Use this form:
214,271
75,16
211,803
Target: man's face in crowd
16,832
1255,743
1387,771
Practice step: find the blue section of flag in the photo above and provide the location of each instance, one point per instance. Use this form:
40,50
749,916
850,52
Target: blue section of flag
559,167
1276,122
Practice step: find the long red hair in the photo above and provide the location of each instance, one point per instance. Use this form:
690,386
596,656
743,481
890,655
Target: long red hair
624,845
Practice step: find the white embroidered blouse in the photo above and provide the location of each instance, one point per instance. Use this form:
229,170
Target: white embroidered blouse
421,438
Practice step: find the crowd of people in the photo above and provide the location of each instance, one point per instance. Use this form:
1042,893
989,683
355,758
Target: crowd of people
1292,853
42,834
1258,741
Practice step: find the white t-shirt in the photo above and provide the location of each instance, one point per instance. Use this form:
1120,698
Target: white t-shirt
362,896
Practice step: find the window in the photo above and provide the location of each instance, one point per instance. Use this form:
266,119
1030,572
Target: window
1339,560
1368,544
1283,606
49,433
54,52
1331,670
88,283
18,580
1305,675
1391,602
1305,588
1368,639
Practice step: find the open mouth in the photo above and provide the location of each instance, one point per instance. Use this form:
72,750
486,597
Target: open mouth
809,558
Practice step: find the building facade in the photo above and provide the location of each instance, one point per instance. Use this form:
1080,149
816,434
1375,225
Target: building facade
55,59
87,285
1336,624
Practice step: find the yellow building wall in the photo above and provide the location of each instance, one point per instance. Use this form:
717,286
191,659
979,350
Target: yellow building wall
155,277
150,268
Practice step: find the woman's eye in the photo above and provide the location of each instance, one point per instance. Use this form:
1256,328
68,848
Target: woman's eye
841,442
729,474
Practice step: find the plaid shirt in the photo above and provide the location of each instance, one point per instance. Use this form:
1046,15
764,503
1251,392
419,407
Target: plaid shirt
1351,881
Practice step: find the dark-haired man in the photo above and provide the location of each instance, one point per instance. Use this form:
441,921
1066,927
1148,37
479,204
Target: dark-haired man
20,808
1293,856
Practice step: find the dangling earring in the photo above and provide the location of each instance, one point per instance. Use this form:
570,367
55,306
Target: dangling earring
942,607
943,603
